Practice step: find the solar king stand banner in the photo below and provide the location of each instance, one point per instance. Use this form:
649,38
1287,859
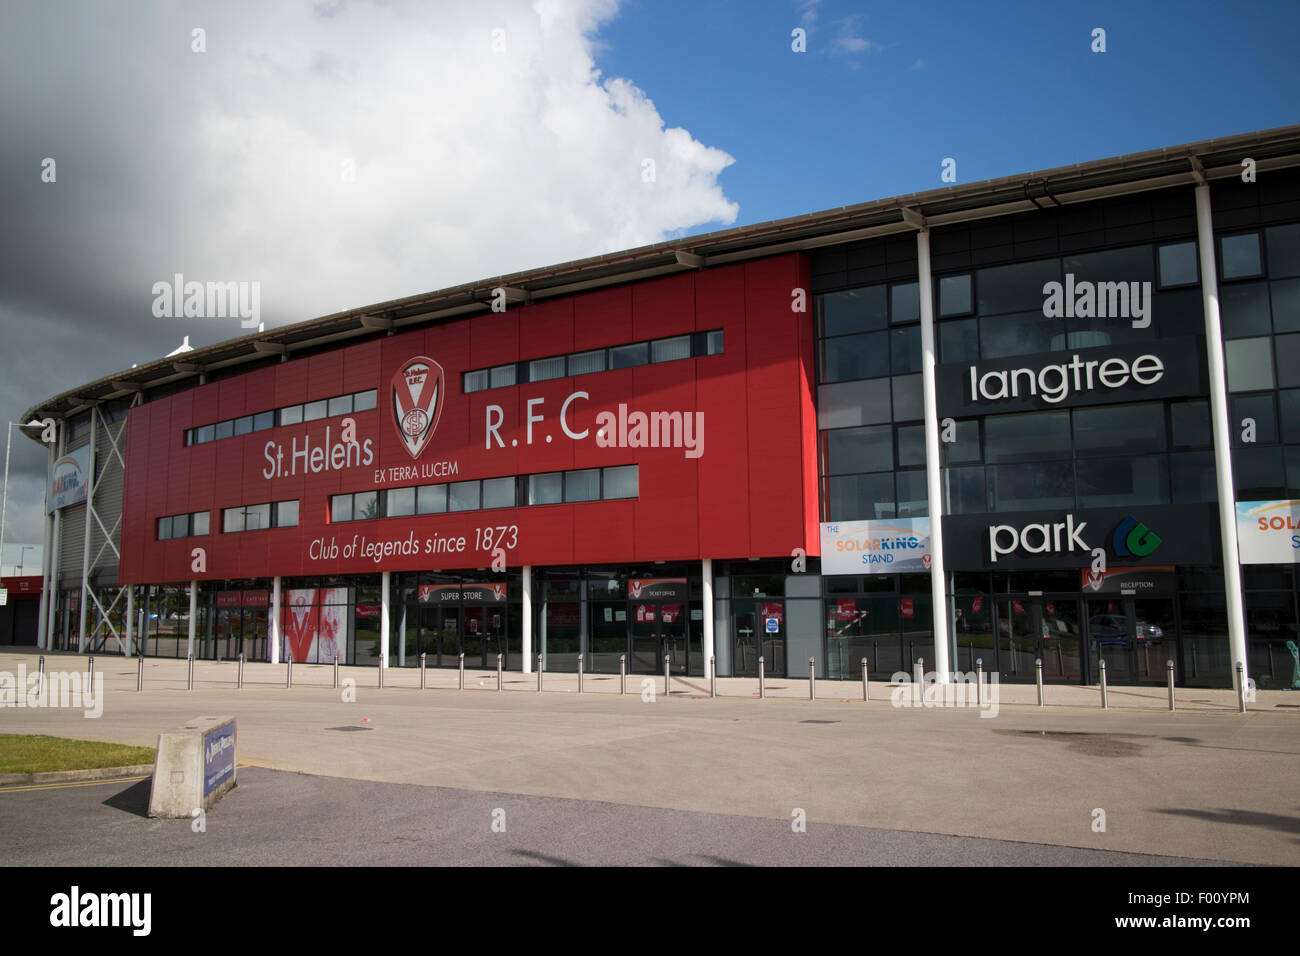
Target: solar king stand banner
1268,532
885,546
68,478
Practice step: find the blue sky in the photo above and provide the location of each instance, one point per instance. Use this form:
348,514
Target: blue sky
886,91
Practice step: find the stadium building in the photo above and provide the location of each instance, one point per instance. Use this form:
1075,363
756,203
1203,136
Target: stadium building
1052,416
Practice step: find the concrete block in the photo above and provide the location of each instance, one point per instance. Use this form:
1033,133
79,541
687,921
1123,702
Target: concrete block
194,768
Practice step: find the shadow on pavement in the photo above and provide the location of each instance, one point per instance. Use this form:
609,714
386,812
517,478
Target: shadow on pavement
1249,818
134,799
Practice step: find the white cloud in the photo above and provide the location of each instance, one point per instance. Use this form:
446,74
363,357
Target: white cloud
849,40
808,11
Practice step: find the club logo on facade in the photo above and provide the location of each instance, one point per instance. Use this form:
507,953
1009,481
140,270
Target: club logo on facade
1132,538
417,402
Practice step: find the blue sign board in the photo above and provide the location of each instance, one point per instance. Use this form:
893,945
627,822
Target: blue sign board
773,625
218,757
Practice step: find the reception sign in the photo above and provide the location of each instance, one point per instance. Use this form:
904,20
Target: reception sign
887,546
1268,532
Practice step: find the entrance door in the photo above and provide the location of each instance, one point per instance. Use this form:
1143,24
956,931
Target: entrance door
759,631
658,629
1039,628
1135,636
1018,638
449,636
474,640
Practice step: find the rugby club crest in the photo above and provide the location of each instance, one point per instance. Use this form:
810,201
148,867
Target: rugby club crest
417,402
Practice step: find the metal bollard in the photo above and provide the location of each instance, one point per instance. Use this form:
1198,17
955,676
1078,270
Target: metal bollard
381,673
1169,667
668,686
40,674
866,687
498,672
1194,674
422,664
579,673
90,661
920,670
1038,678
979,682
336,672
239,679
713,676
139,673
1102,667
812,678
288,671
539,673
189,672
460,671
760,678
1241,688
622,673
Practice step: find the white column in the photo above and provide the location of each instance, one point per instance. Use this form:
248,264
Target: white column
934,493
273,625
1222,435
401,640
43,614
527,611
194,616
385,617
85,545
56,547
706,644
584,639
130,619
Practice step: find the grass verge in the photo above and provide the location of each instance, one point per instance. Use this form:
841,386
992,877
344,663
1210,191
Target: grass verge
37,753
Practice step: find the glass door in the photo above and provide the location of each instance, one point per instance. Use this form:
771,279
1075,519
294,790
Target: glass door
474,638
645,656
672,637
1018,638
1060,645
1155,643
747,640
1111,639
449,637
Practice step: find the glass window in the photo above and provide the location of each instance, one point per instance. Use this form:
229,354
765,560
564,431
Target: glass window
954,295
627,356
964,489
965,445
244,425
547,489
1283,250
291,415
224,429
620,482
1180,312
1258,472
1259,408
905,349
862,497
855,356
959,341
853,403
1015,288
463,496
232,519
669,350
905,303
909,399
340,405
1119,428
476,381
181,526
857,310
1249,363
1293,471
401,502
164,528
1289,402
1178,265
1130,264
312,411
1026,436
257,517
1286,305
499,492
203,434
189,436
1239,256
852,450
911,445
503,375
1032,486
341,508
286,514
1120,482
1192,478
713,342
913,500
263,421
541,370
431,499
582,485
1024,333
1191,424
584,363
363,401
1245,310
199,523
